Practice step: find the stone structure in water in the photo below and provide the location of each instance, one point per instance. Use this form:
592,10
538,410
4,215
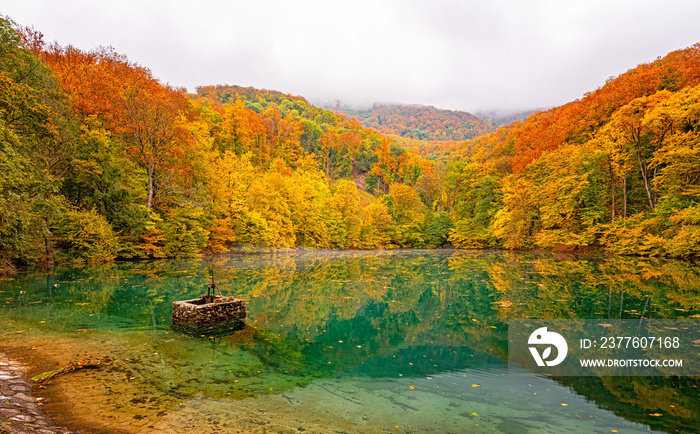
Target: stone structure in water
208,309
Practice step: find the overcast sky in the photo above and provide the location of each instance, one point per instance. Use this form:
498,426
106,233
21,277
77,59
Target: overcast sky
462,55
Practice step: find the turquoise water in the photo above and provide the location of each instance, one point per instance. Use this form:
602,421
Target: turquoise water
407,341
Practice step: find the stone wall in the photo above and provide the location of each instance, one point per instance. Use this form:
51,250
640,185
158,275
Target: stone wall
199,312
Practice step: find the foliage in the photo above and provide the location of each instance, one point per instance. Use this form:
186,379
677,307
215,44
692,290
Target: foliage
425,130
85,236
617,170
100,161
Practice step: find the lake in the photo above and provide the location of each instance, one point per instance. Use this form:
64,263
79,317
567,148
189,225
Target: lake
379,341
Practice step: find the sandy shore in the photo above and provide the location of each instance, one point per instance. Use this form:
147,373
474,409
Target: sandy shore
119,397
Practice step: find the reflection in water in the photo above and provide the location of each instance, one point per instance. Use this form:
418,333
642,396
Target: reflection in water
415,339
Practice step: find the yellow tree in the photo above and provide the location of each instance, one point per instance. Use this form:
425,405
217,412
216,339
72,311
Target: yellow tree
346,205
514,223
630,127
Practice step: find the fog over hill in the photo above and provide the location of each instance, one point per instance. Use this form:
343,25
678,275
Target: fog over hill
507,117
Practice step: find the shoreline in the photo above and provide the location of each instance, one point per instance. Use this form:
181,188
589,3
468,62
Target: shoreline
85,401
19,410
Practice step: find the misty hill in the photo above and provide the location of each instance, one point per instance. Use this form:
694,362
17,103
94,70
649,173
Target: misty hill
578,121
419,122
507,117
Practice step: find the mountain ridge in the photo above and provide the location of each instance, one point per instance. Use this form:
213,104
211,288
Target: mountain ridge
417,121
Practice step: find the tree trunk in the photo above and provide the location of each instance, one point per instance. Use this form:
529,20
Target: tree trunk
47,242
645,176
150,188
656,186
613,199
624,193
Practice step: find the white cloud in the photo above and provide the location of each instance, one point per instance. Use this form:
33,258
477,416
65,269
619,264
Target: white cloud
466,55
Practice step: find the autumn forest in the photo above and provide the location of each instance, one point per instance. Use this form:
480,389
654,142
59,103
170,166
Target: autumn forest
101,161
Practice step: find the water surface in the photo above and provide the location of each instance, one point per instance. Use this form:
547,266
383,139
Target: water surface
391,341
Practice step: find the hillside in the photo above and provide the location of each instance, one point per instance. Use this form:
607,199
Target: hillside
618,169
102,161
507,117
227,94
420,122
425,130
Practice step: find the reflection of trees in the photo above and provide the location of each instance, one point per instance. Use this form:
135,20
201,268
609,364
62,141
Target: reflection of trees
635,398
317,314
543,287
613,287
460,292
